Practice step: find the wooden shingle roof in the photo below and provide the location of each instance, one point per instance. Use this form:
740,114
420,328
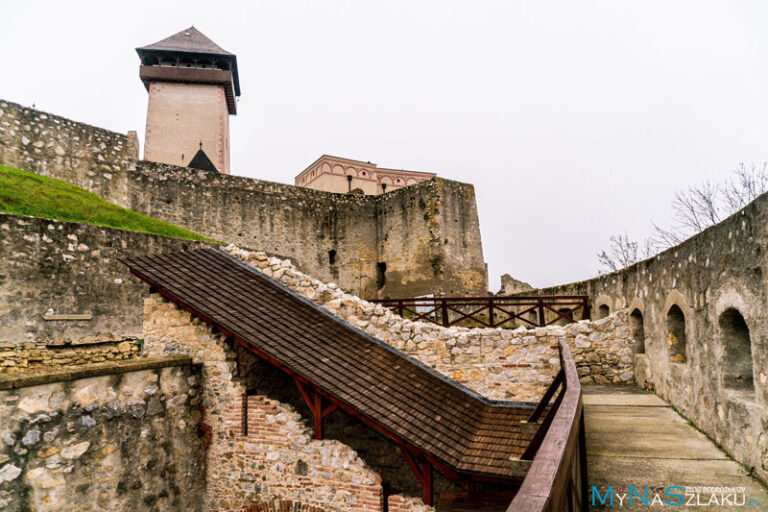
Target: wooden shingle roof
415,403
189,40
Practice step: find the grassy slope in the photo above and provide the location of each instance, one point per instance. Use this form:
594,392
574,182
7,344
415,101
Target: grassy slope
26,193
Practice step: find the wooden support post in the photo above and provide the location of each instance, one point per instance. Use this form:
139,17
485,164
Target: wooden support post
426,472
444,308
491,323
423,473
542,322
314,401
317,412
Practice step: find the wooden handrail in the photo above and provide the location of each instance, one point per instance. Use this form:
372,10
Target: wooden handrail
530,310
551,484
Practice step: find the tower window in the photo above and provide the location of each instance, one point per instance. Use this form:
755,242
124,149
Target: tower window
332,257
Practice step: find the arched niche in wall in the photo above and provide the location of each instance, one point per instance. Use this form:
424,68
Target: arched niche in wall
637,331
737,366
603,306
677,340
678,327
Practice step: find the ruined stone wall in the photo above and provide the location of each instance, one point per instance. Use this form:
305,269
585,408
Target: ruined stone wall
91,158
122,436
429,240
498,363
49,268
706,278
427,235
276,462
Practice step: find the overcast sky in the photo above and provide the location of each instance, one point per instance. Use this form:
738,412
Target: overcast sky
574,120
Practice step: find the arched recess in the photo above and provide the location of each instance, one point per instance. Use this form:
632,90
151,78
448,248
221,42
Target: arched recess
603,306
637,330
280,505
677,339
737,366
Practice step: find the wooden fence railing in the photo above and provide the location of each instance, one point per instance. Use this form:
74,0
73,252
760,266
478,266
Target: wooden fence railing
532,311
557,478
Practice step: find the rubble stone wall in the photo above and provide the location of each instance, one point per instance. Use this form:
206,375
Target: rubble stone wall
121,436
276,462
55,268
495,362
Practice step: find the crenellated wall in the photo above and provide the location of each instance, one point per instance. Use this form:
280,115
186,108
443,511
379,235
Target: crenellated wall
714,285
414,241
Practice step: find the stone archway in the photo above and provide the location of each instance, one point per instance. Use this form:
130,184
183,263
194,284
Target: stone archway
280,505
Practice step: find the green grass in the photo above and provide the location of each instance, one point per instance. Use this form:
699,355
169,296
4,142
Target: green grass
27,193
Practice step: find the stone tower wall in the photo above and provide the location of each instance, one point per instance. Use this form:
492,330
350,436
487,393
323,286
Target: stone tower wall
180,116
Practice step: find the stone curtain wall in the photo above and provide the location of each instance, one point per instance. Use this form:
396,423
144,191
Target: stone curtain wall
89,157
427,235
65,268
124,439
498,363
277,465
723,268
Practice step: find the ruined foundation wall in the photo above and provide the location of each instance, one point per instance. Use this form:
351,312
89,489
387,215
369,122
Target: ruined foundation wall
118,437
49,268
427,235
721,269
498,363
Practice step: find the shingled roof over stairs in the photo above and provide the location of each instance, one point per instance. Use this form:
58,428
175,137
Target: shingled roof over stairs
415,404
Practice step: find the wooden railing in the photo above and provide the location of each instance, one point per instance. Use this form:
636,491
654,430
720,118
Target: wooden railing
531,311
557,478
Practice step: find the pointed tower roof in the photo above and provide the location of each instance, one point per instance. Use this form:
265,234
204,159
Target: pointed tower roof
190,57
189,40
201,161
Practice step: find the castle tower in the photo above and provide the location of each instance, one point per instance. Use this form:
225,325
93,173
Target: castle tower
192,85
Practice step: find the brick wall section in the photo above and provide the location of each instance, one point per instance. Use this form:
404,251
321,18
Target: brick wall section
428,235
125,438
498,363
47,266
277,461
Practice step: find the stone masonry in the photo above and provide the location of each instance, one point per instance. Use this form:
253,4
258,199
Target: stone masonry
51,269
691,293
275,463
498,363
417,240
120,436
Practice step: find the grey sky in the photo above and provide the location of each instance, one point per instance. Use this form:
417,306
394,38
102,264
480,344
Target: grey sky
574,120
